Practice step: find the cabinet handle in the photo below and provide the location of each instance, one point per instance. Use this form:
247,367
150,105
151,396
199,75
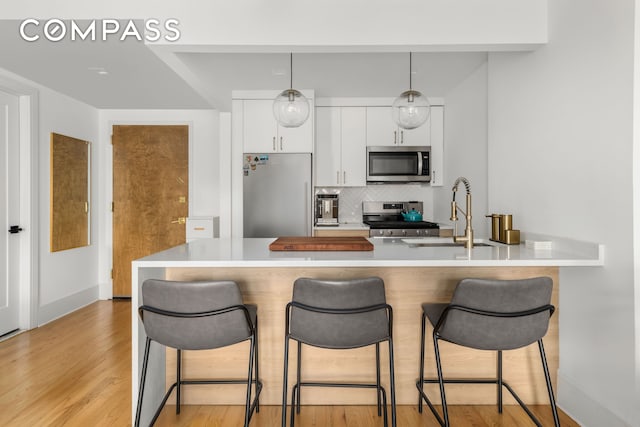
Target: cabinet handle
433,176
395,136
401,137
344,177
337,177
274,143
280,143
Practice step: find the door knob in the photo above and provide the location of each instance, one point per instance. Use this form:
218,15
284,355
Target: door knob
15,229
181,220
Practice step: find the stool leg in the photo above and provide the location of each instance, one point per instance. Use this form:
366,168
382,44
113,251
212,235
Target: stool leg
257,365
378,377
422,343
552,400
247,407
178,378
298,375
284,381
445,412
499,381
392,384
143,376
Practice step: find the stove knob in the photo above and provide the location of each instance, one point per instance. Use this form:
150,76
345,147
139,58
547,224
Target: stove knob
380,232
418,232
389,232
404,232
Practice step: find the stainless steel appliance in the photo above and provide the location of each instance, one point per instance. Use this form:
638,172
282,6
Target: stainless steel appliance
327,209
398,164
385,220
277,195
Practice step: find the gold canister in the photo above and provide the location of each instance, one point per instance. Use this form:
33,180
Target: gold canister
495,227
505,224
512,237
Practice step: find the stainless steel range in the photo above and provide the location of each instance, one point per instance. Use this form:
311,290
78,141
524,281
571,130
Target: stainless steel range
385,220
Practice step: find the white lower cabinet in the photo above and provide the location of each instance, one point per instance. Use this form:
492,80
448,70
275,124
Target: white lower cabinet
340,147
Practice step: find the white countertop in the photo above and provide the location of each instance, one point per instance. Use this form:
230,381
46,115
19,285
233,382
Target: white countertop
226,252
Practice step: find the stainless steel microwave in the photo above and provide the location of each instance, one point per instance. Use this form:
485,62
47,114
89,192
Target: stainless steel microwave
398,164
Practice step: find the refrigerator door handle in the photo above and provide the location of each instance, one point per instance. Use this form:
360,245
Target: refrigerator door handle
307,202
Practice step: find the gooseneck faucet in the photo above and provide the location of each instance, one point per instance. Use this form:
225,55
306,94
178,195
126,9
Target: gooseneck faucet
468,231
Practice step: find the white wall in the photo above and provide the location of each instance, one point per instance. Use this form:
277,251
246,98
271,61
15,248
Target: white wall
560,159
204,165
66,279
465,151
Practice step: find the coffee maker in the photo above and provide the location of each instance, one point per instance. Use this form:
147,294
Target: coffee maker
327,209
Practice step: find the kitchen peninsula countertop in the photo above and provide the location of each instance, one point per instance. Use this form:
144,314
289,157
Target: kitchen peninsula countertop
254,252
412,275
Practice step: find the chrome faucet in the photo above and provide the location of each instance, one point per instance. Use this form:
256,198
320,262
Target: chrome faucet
468,231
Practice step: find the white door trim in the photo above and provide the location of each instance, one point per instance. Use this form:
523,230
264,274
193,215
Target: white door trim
29,203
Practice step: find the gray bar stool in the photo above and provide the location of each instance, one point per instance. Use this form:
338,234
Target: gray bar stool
338,314
489,315
196,316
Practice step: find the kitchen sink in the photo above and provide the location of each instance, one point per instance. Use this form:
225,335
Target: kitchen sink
439,242
445,245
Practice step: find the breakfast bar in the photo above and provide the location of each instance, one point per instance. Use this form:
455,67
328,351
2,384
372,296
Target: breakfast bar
414,271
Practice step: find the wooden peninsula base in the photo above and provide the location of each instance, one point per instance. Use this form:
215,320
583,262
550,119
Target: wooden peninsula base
406,288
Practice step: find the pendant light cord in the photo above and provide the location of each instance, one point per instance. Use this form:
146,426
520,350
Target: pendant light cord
291,70
410,88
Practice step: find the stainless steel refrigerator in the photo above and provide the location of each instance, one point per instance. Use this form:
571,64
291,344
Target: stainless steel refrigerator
277,194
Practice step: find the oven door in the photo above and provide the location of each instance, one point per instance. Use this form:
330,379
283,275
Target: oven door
398,164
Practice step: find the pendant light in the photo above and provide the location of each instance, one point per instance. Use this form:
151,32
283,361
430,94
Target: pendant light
411,109
291,107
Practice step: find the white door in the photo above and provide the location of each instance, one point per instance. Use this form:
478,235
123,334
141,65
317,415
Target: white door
9,213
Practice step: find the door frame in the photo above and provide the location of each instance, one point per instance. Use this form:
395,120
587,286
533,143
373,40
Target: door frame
106,260
28,105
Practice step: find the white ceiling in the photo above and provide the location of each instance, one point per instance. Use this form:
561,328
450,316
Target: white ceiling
139,79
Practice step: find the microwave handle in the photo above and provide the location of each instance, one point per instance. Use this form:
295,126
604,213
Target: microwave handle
419,163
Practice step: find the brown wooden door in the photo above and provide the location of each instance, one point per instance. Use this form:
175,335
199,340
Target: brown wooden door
150,189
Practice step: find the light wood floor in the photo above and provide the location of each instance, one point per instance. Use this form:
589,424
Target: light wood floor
76,371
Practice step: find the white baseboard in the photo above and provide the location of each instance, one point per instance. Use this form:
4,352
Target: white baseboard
66,305
585,410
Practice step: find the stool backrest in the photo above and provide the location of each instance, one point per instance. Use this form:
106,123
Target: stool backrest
493,330
193,333
337,330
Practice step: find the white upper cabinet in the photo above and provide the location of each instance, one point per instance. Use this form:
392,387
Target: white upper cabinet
382,131
437,144
263,134
340,151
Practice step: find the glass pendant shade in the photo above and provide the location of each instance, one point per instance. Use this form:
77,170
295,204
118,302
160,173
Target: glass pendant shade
410,110
291,108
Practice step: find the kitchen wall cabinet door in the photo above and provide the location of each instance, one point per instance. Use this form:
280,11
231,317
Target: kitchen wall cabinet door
354,146
262,134
340,152
437,145
382,131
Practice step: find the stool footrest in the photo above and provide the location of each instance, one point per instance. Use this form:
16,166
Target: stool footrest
495,381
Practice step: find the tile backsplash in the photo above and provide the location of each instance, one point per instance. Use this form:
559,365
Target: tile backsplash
351,198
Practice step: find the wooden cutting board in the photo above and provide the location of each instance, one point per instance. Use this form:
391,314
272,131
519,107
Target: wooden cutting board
321,244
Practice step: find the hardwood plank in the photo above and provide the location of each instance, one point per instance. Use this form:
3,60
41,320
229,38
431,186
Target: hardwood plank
76,371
